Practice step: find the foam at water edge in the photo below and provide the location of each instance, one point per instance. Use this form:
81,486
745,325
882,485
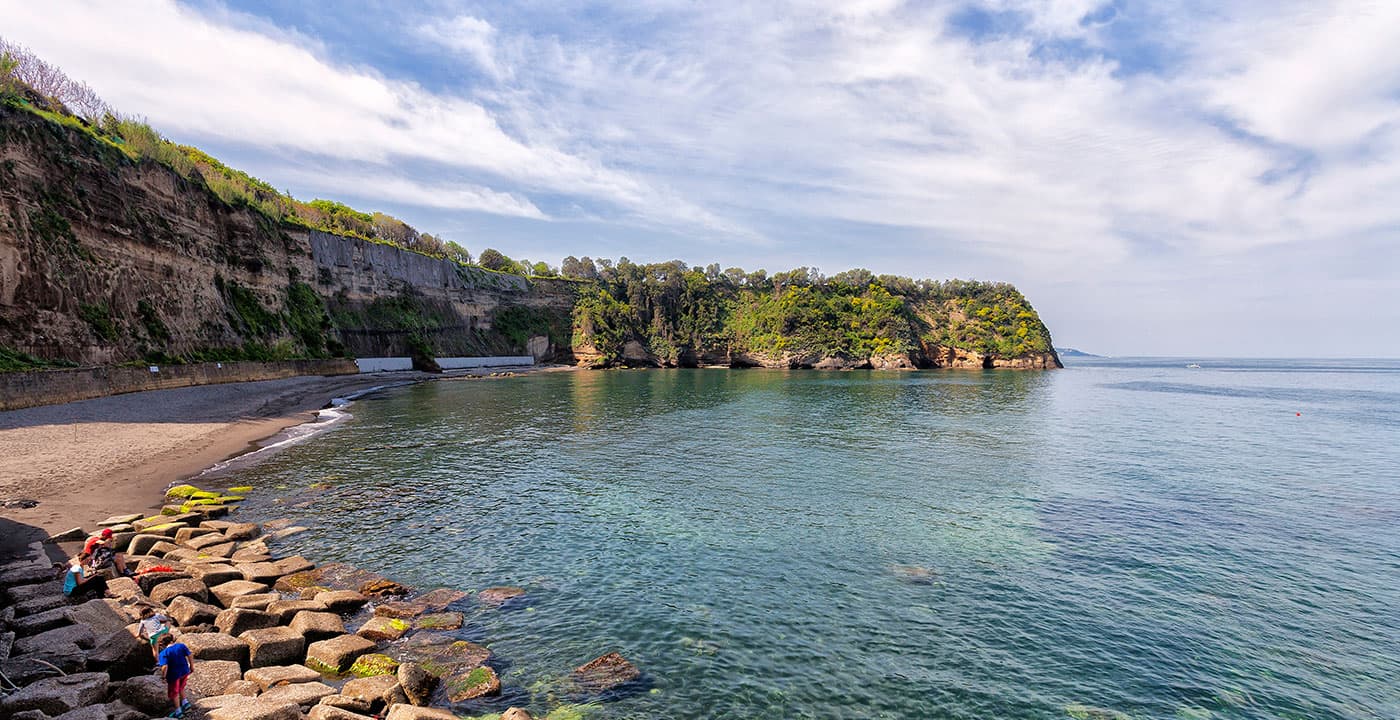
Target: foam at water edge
326,418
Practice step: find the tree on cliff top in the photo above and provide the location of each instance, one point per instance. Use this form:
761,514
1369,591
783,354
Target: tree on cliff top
19,66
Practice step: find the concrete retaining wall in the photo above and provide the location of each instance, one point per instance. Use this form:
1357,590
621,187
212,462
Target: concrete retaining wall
458,363
396,364
50,387
389,364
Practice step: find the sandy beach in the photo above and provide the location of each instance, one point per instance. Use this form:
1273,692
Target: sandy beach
82,461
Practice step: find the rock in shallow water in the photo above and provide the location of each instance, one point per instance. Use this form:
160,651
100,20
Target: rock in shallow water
467,684
497,596
605,673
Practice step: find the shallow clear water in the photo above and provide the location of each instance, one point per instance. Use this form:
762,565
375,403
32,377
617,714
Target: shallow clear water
1126,535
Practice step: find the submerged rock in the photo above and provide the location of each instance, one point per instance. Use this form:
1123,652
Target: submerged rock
499,595
914,574
439,599
439,621
384,588
1080,711
605,673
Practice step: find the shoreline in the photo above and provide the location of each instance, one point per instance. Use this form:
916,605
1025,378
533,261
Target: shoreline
78,460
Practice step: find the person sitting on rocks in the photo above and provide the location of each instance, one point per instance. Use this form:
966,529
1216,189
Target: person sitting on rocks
77,582
100,554
154,626
174,662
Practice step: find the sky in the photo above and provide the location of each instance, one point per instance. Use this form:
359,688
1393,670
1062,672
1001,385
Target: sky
1158,178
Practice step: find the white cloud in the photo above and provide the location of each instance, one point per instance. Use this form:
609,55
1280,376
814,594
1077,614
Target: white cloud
396,189
193,75
471,36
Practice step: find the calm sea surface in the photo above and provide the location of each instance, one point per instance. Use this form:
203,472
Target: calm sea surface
1119,539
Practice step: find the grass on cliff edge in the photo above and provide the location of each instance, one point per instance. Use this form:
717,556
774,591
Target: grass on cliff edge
15,361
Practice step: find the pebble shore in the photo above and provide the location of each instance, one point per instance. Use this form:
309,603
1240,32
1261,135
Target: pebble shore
273,637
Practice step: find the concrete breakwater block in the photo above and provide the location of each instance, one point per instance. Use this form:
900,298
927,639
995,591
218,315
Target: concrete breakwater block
26,574
205,538
56,696
337,654
331,712
303,694
341,601
142,543
215,646
274,675
188,611
382,628
74,535
273,646
404,711
242,708
212,574
285,610
119,520
226,592
257,601
316,626
378,691
190,588
212,677
148,581
237,621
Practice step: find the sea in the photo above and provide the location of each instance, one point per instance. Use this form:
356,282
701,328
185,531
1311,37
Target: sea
1124,538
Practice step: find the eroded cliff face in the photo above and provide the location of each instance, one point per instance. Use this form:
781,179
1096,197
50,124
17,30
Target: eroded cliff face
105,260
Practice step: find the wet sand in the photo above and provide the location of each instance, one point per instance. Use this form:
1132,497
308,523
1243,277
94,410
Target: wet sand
82,461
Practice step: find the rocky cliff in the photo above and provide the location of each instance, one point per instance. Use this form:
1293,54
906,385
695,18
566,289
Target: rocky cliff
108,260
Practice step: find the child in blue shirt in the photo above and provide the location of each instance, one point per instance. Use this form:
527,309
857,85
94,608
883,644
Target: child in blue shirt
174,662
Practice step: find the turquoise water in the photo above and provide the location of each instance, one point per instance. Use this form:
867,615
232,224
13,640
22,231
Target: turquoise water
1119,537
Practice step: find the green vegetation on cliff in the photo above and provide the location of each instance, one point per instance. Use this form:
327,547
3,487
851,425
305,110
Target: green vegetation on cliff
29,83
674,310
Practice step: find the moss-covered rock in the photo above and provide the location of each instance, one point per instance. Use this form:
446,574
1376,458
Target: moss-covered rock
374,664
182,491
439,621
474,683
240,489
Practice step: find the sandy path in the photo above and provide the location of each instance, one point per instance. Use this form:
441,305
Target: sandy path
86,460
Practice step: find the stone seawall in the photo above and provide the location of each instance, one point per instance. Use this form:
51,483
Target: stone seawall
51,387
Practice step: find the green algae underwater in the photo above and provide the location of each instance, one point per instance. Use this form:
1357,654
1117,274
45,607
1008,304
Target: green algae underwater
1118,540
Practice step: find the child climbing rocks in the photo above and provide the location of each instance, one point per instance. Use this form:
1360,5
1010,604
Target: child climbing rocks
174,662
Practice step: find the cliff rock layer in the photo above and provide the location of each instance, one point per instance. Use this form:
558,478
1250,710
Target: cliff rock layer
108,260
